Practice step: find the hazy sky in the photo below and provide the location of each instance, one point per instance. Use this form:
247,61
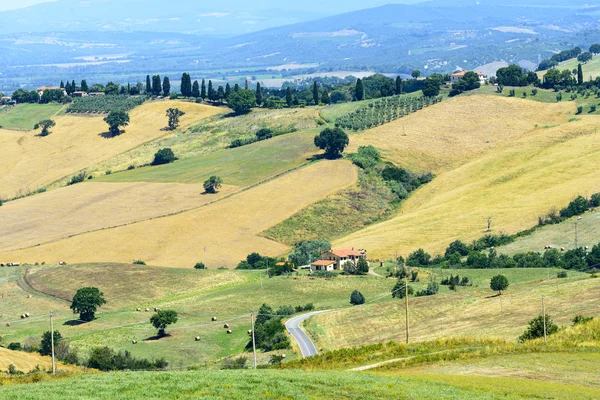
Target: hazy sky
11,5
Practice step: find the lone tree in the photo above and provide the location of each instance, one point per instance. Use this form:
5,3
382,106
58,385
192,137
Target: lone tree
415,74
357,298
399,289
173,114
166,86
45,124
242,101
212,184
536,328
333,141
46,343
162,319
360,90
164,156
362,266
86,301
116,119
499,283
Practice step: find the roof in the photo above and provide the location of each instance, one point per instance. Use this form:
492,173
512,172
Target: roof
42,88
346,252
323,262
463,73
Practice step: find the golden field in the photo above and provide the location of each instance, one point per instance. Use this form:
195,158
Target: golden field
513,180
30,162
28,361
228,228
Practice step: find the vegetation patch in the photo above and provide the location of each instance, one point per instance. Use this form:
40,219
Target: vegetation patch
105,104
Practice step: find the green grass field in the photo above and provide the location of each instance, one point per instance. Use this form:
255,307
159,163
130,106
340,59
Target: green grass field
25,116
241,166
590,70
334,111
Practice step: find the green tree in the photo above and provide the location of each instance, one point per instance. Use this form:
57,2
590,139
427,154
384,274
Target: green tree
418,258
195,90
211,91
156,85
199,265
398,85
325,97
259,95
357,298
86,301
288,96
333,141
162,319
116,119
62,84
166,86
308,251
73,85
457,247
68,88
415,74
595,49
585,57
227,91
84,86
148,85
45,124
360,90
220,93
399,289
315,92
203,90
186,84
431,87
164,156
242,101
46,343
499,283
362,266
212,184
579,74
536,328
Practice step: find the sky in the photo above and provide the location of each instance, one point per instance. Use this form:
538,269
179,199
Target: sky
12,5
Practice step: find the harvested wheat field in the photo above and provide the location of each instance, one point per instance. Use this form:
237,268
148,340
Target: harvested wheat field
228,228
87,207
444,136
512,183
28,361
29,162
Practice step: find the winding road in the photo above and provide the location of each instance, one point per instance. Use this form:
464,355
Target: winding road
306,345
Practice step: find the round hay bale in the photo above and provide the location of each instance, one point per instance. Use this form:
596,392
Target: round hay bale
562,249
28,296
213,319
8,324
197,338
283,356
229,331
226,326
156,309
27,315
138,309
249,331
43,262
134,341
22,316
147,309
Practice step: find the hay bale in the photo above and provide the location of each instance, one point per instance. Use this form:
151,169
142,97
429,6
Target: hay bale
27,315
249,331
226,326
8,324
147,309
43,262
213,319
156,309
229,332
22,316
283,356
197,338
134,341
37,263
138,309
562,249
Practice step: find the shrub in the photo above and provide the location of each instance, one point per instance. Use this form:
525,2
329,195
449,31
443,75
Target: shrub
78,178
234,363
264,133
536,328
357,298
579,109
108,172
15,346
276,359
106,359
199,265
457,247
212,184
593,108
580,319
399,290
324,274
366,157
432,289
562,274
46,343
164,156
139,262
130,167
418,258
285,311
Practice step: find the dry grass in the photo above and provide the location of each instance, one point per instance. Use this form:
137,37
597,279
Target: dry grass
87,207
28,361
228,228
520,177
29,162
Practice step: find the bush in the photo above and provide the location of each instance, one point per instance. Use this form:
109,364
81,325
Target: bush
78,178
399,290
457,247
418,258
357,298
234,363
139,262
164,156
46,343
562,274
432,289
580,319
106,359
212,184
579,110
15,346
130,167
199,265
536,328
242,101
593,108
264,133
324,274
366,157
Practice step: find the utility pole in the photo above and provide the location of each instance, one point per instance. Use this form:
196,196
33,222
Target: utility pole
253,340
52,342
406,305
544,314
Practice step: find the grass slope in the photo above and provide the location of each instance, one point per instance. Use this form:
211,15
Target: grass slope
25,116
28,361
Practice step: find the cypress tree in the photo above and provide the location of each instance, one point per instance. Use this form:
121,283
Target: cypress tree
166,86
316,93
360,91
259,97
84,86
73,85
203,90
156,85
579,75
195,90
227,91
398,85
288,96
211,91
62,85
148,85
325,98
68,88
220,93
236,88
186,85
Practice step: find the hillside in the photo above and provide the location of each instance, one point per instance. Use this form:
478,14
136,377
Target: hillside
31,162
28,361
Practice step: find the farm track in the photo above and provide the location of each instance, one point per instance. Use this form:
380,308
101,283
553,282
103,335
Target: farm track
25,284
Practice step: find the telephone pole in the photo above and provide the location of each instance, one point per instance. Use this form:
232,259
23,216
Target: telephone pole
406,305
52,342
544,314
253,340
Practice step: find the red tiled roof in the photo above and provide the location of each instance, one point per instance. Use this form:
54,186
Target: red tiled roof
323,262
346,252
462,73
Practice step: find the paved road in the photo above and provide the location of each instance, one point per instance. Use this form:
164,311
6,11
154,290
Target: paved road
306,345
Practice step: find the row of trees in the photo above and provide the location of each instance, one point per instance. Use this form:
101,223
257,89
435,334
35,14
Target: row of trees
568,55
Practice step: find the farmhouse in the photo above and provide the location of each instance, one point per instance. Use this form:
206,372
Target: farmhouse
79,94
458,75
335,259
96,94
5,100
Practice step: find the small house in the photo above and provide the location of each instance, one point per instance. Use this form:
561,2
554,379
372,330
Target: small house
92,94
458,76
79,94
335,259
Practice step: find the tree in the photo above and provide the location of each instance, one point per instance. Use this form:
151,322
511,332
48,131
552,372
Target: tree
173,114
46,343
156,85
584,57
195,90
288,96
166,86
308,251
162,319
579,74
469,81
499,283
264,133
148,85
212,184
220,93
457,247
415,74
259,96
68,88
418,258
315,91
164,156
62,84
203,90
431,87
45,124
199,265
362,266
399,289
536,328
227,90
360,90
211,91
357,298
595,49
186,85
333,141
86,301
84,86
398,85
116,119
325,97
242,101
